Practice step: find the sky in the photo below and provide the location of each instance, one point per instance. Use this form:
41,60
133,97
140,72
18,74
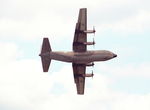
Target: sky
122,26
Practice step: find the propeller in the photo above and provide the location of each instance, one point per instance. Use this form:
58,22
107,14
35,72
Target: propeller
94,30
92,74
92,64
93,43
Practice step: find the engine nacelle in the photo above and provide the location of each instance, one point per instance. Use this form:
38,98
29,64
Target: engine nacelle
90,64
89,31
89,75
89,43
85,75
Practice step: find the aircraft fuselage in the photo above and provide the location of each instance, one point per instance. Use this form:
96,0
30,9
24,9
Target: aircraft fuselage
80,57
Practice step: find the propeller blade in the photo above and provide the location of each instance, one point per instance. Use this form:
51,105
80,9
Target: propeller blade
93,43
94,30
92,74
93,64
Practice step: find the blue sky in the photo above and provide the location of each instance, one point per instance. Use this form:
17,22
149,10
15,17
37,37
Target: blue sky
121,27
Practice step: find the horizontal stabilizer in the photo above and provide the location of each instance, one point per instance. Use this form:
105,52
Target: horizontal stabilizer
45,46
45,63
45,57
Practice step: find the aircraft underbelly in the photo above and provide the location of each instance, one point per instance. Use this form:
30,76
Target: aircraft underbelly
99,58
61,57
89,59
82,59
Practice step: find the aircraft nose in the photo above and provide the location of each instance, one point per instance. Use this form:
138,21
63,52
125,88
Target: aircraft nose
115,55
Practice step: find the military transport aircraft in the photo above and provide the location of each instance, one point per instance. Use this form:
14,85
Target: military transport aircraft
79,57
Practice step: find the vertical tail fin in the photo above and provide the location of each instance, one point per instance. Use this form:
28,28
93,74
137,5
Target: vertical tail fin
45,57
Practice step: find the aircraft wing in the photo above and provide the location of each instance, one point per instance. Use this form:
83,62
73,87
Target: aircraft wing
80,36
79,73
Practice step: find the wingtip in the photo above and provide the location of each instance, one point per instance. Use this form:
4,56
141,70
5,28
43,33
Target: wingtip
83,8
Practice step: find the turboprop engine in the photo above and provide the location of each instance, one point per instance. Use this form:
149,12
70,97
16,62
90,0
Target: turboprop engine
90,64
89,43
90,31
89,75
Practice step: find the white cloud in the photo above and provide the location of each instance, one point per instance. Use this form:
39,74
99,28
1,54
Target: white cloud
131,102
36,18
138,23
130,70
24,86
43,26
9,52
